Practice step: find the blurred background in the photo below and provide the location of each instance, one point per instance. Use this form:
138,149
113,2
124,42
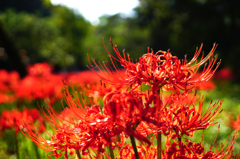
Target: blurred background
62,33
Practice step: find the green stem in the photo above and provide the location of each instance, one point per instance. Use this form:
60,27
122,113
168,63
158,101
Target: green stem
17,148
159,145
159,135
36,150
134,147
111,153
78,154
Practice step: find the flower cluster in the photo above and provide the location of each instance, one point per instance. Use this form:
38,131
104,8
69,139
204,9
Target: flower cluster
39,84
108,113
13,119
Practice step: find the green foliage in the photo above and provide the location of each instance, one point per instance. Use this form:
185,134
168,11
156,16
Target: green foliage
125,34
186,24
56,39
74,28
35,35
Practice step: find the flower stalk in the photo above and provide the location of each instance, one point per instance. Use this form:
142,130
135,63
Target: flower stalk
36,151
17,148
159,145
111,153
78,154
134,147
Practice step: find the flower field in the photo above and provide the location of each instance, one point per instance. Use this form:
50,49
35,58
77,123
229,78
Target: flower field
158,107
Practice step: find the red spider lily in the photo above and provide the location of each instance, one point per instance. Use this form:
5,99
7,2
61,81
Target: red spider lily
129,110
14,119
184,98
179,149
185,120
8,80
39,69
157,69
68,115
144,151
187,149
205,85
88,128
182,119
90,84
33,88
40,84
98,90
126,110
85,127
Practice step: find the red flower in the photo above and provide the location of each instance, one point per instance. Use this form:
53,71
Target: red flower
157,70
235,124
224,74
184,98
39,69
126,109
96,91
144,151
14,119
40,84
6,98
86,128
185,119
187,149
85,124
179,149
205,85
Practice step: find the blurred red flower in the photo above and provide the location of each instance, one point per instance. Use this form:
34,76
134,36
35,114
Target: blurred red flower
15,119
40,83
224,74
